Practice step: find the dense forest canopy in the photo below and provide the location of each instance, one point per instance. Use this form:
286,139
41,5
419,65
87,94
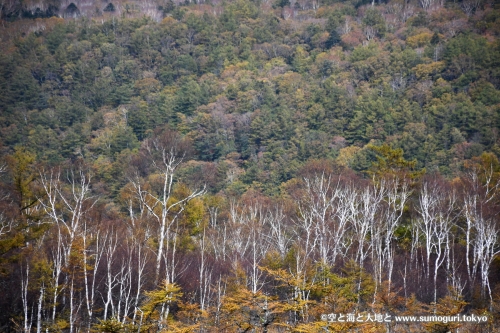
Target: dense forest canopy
248,166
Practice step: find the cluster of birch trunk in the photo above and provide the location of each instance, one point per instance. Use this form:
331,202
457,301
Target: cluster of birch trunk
423,238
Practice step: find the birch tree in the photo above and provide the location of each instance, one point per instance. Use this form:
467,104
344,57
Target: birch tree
482,184
437,213
323,206
91,258
67,199
393,194
164,152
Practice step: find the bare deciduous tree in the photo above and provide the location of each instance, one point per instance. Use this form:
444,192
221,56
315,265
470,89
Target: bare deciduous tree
481,229
437,213
165,152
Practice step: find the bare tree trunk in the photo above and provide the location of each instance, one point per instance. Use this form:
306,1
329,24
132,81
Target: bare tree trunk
160,205
111,279
204,274
39,312
24,297
481,228
56,272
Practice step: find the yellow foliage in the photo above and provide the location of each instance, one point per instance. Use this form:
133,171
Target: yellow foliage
275,63
388,301
168,293
450,305
289,82
147,86
195,210
175,329
168,21
346,155
424,70
188,318
243,310
420,40
392,162
231,69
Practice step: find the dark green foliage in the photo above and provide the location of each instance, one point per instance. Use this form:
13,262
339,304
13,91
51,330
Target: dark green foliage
71,10
485,93
374,18
139,118
109,7
168,7
333,39
468,57
188,97
420,20
282,3
55,37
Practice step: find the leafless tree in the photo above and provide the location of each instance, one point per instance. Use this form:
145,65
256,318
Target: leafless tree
91,260
248,242
39,310
364,207
6,224
256,219
481,230
57,258
67,203
386,206
470,6
370,32
279,236
323,206
437,213
205,272
111,278
165,152
24,297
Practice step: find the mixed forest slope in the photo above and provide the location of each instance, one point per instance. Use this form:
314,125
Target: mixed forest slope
248,165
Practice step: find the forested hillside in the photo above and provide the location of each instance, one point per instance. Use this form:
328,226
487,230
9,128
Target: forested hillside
249,166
